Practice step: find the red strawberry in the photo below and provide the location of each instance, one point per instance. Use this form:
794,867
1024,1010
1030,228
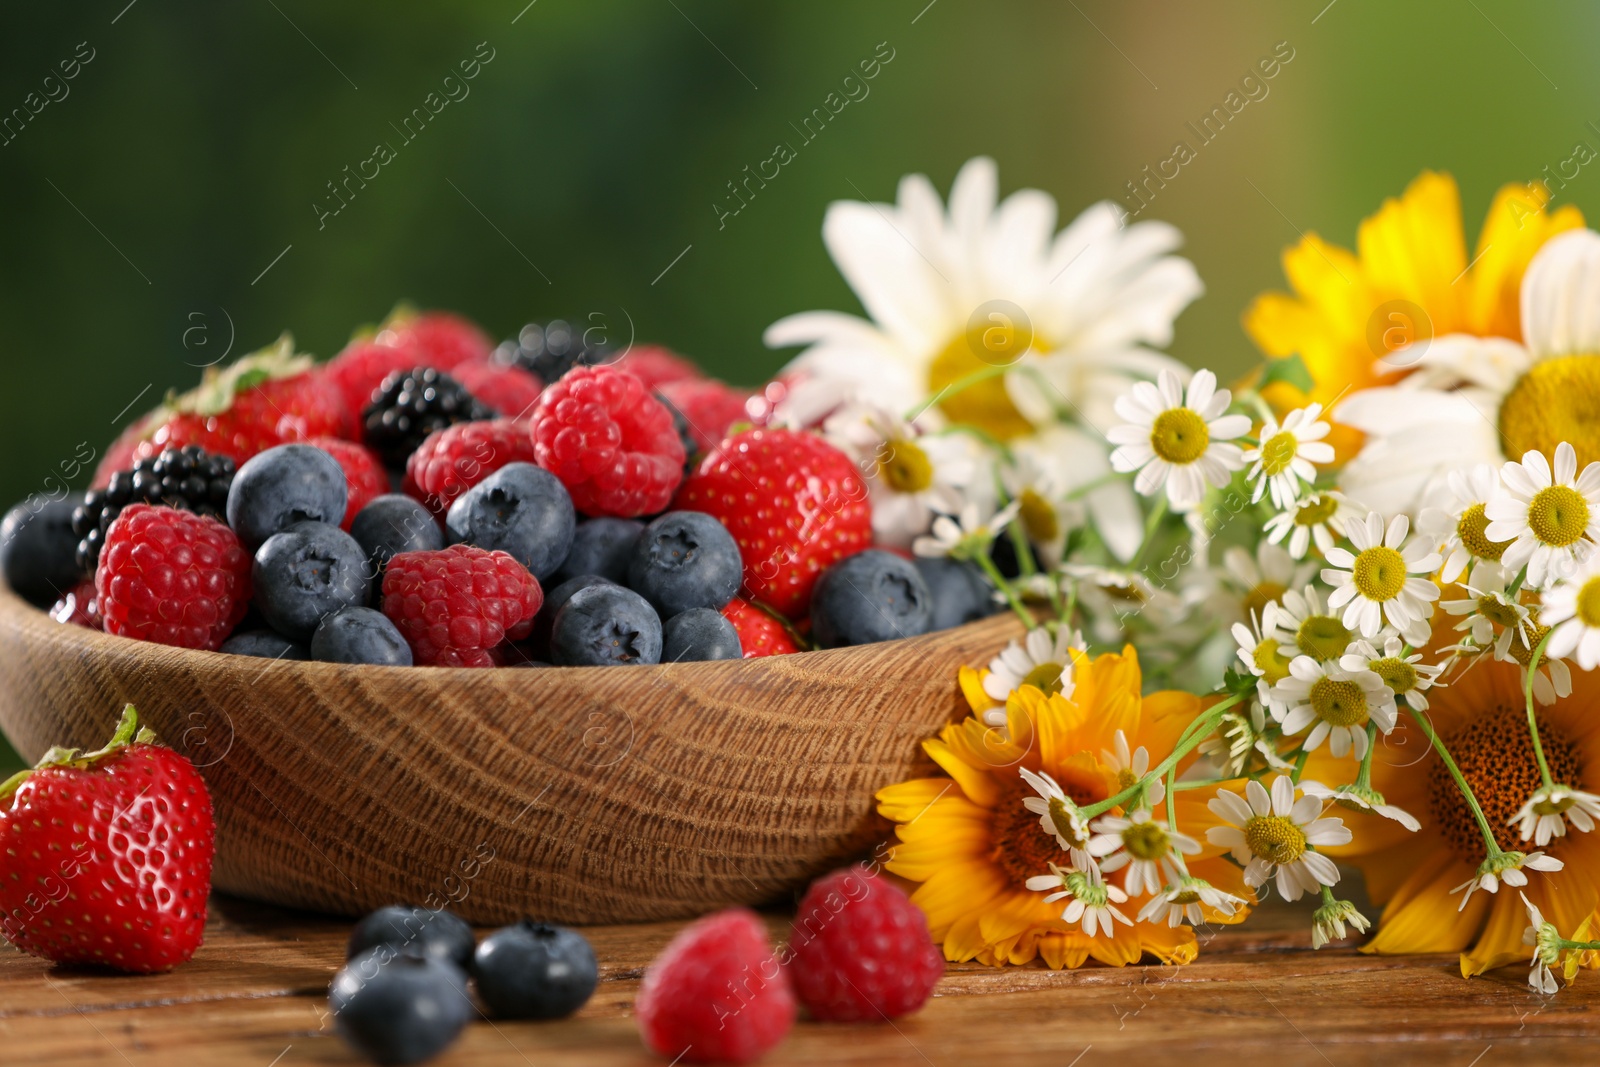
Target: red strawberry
456,458
172,577
794,503
445,340
709,407
655,365
108,855
759,633
357,372
364,477
611,443
511,391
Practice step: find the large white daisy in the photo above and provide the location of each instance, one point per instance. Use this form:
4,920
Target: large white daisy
1274,835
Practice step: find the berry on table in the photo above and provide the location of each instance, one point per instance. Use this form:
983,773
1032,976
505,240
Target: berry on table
610,442
398,1006
456,605
172,577
267,644
605,625
871,596
510,391
708,406
305,573
455,459
520,509
601,546
959,591
188,478
282,486
699,634
393,524
759,633
430,931
364,477
683,560
360,635
409,406
535,971
38,549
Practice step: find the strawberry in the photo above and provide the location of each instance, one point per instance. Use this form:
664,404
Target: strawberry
793,502
445,340
759,633
656,365
108,855
708,406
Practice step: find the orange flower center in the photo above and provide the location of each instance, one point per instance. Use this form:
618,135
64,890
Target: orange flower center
1495,754
1021,847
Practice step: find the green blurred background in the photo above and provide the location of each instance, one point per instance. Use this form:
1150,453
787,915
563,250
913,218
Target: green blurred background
142,210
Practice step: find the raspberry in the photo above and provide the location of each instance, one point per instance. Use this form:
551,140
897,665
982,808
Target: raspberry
794,503
79,607
456,458
655,365
709,406
364,477
860,950
759,633
610,442
716,994
357,373
455,606
446,341
172,577
510,391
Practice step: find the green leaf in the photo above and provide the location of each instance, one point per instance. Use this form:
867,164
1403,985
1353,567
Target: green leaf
1291,370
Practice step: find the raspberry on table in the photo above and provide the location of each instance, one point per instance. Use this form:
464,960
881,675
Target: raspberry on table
610,442
456,458
172,577
759,633
456,605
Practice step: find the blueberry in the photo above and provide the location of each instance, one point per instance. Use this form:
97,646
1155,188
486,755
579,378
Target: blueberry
519,509
392,524
605,625
360,635
282,486
539,640
306,573
38,554
699,634
959,589
266,643
870,596
685,559
535,971
601,546
438,933
399,1007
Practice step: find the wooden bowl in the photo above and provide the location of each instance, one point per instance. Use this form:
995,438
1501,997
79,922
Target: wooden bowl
573,794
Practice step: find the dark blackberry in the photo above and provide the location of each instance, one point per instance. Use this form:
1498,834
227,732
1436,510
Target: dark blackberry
551,349
409,406
188,478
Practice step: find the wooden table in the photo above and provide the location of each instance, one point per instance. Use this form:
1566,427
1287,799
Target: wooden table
255,995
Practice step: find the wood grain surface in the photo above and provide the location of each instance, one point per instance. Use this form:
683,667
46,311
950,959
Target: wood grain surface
255,995
571,794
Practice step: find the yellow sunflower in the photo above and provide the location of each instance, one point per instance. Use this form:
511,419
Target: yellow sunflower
971,843
1409,280
1481,718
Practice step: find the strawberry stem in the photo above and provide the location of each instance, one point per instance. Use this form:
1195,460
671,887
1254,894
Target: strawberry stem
128,732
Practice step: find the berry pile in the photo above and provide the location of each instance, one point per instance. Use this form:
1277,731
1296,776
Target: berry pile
427,499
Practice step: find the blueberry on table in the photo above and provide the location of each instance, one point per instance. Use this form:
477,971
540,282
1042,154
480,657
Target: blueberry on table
392,524
870,596
601,546
699,634
535,971
307,573
268,644
282,486
360,635
685,559
434,932
520,509
960,592
605,625
38,551
397,1007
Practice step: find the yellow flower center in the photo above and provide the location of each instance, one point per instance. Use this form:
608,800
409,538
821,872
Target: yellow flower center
1126,779
1396,673
1270,662
1558,514
1146,841
1497,611
1314,510
1589,603
1038,517
1262,595
1274,838
1557,400
1548,806
1277,452
904,466
1046,677
1179,435
1495,754
1379,573
984,404
1322,637
1525,640
1338,703
1185,896
1470,529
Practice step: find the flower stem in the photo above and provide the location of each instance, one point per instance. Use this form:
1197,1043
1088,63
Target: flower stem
1157,513
1533,723
1201,727
1364,776
1000,583
1489,842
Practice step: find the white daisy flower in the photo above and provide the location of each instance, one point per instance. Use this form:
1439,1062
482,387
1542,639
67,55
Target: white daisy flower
1489,605
1178,440
1319,518
1545,940
1507,867
911,474
1328,922
1141,844
1260,650
1051,477
1552,679
1338,700
1286,453
1377,583
1363,798
1572,608
1264,577
1273,835
1545,814
1551,518
1131,766
1184,901
1093,901
1110,597
965,535
1038,660
1406,676
1457,528
1309,628
1059,817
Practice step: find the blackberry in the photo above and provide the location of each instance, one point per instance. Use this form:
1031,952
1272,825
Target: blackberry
409,406
188,478
551,349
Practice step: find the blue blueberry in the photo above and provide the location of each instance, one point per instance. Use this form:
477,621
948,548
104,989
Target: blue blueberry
392,524
38,550
438,933
265,643
699,634
538,642
601,546
520,509
399,1007
605,625
535,971
870,596
307,573
960,592
360,635
685,559
282,486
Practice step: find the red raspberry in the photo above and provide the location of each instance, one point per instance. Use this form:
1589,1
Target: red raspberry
610,442
860,950
456,458
172,577
79,606
445,340
511,391
795,504
655,365
759,633
709,406
716,994
364,476
456,605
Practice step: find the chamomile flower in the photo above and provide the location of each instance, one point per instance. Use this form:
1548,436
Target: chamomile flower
1489,605
1142,845
1328,922
1572,608
1111,596
1286,453
1264,577
1545,940
1406,676
1273,835
1092,902
1335,702
966,535
1059,817
1260,650
1185,900
1551,517
1038,660
1176,439
1130,765
1378,582
1507,867
1545,814
1552,678
1457,528
1061,478
1319,518
912,475
1309,628
1364,798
